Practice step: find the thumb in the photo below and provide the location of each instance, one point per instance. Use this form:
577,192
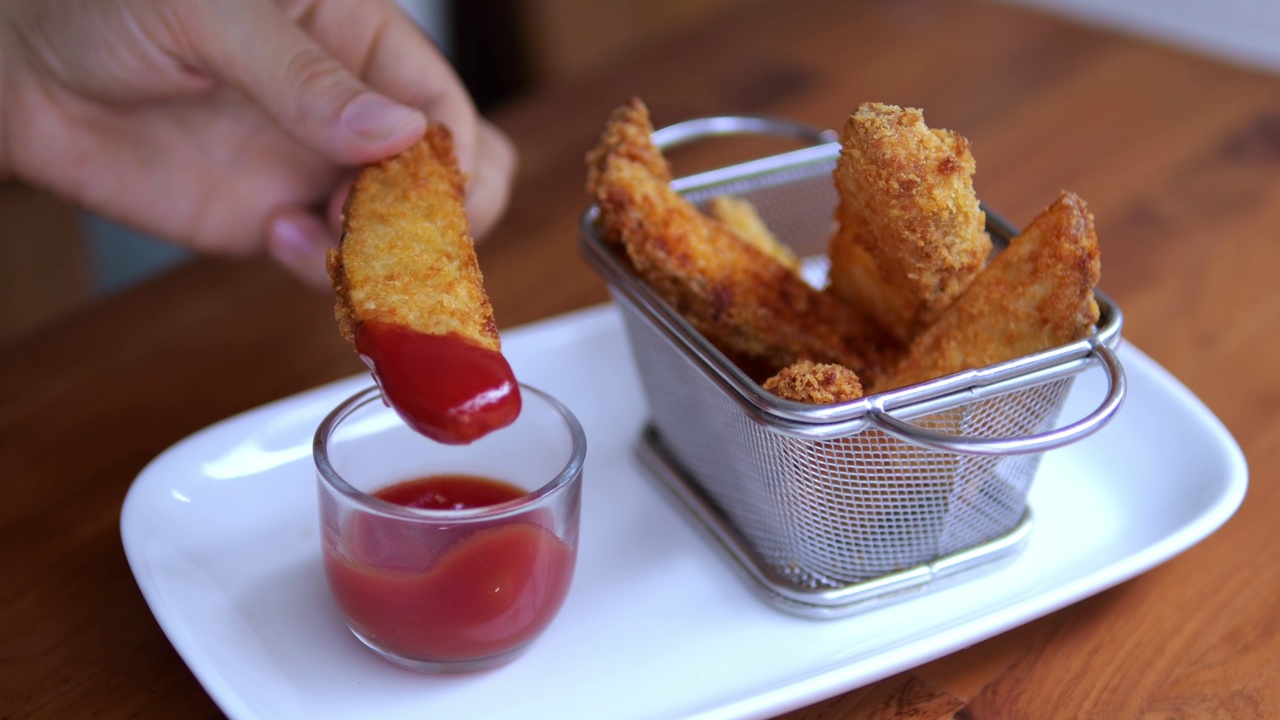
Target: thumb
307,92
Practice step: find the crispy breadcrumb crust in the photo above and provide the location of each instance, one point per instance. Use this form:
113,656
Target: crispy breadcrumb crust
815,383
406,256
754,308
1035,295
910,232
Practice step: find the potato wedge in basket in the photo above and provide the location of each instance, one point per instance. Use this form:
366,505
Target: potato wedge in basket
752,306
910,233
1035,295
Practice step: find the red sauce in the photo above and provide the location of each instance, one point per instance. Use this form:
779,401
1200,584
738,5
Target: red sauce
449,492
444,386
438,595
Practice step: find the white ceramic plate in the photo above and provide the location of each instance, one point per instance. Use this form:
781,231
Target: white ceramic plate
221,533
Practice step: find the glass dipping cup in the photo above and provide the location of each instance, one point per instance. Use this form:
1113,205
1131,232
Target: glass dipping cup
449,590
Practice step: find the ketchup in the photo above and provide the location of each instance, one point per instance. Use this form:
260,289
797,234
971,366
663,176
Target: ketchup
444,386
447,595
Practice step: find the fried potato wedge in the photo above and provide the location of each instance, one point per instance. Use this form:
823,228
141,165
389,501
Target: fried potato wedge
1035,295
406,256
743,219
750,305
910,232
411,299
815,383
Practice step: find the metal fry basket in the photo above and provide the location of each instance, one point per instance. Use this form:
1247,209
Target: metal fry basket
827,510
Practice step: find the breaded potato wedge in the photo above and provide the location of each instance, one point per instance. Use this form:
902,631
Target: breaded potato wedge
743,219
815,383
1035,295
754,308
406,256
910,233
411,299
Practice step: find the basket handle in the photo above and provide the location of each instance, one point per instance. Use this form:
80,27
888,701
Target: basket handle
1117,388
702,128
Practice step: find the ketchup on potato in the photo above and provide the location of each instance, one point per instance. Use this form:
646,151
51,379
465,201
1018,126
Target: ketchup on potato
445,387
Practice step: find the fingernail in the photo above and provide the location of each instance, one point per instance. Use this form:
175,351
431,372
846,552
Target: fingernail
375,117
293,239
300,245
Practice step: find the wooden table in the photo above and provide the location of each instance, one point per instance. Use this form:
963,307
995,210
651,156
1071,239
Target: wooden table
1178,156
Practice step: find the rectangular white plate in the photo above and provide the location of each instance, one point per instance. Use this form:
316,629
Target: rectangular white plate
221,533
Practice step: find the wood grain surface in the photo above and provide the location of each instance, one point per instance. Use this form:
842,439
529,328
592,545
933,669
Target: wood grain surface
1178,156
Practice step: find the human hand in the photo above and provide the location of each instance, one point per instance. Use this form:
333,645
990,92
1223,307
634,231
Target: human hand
229,126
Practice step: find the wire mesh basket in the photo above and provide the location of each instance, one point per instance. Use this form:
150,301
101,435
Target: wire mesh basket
828,509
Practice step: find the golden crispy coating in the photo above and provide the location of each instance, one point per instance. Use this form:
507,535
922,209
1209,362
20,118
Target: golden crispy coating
910,232
1035,295
742,218
815,383
406,255
752,307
